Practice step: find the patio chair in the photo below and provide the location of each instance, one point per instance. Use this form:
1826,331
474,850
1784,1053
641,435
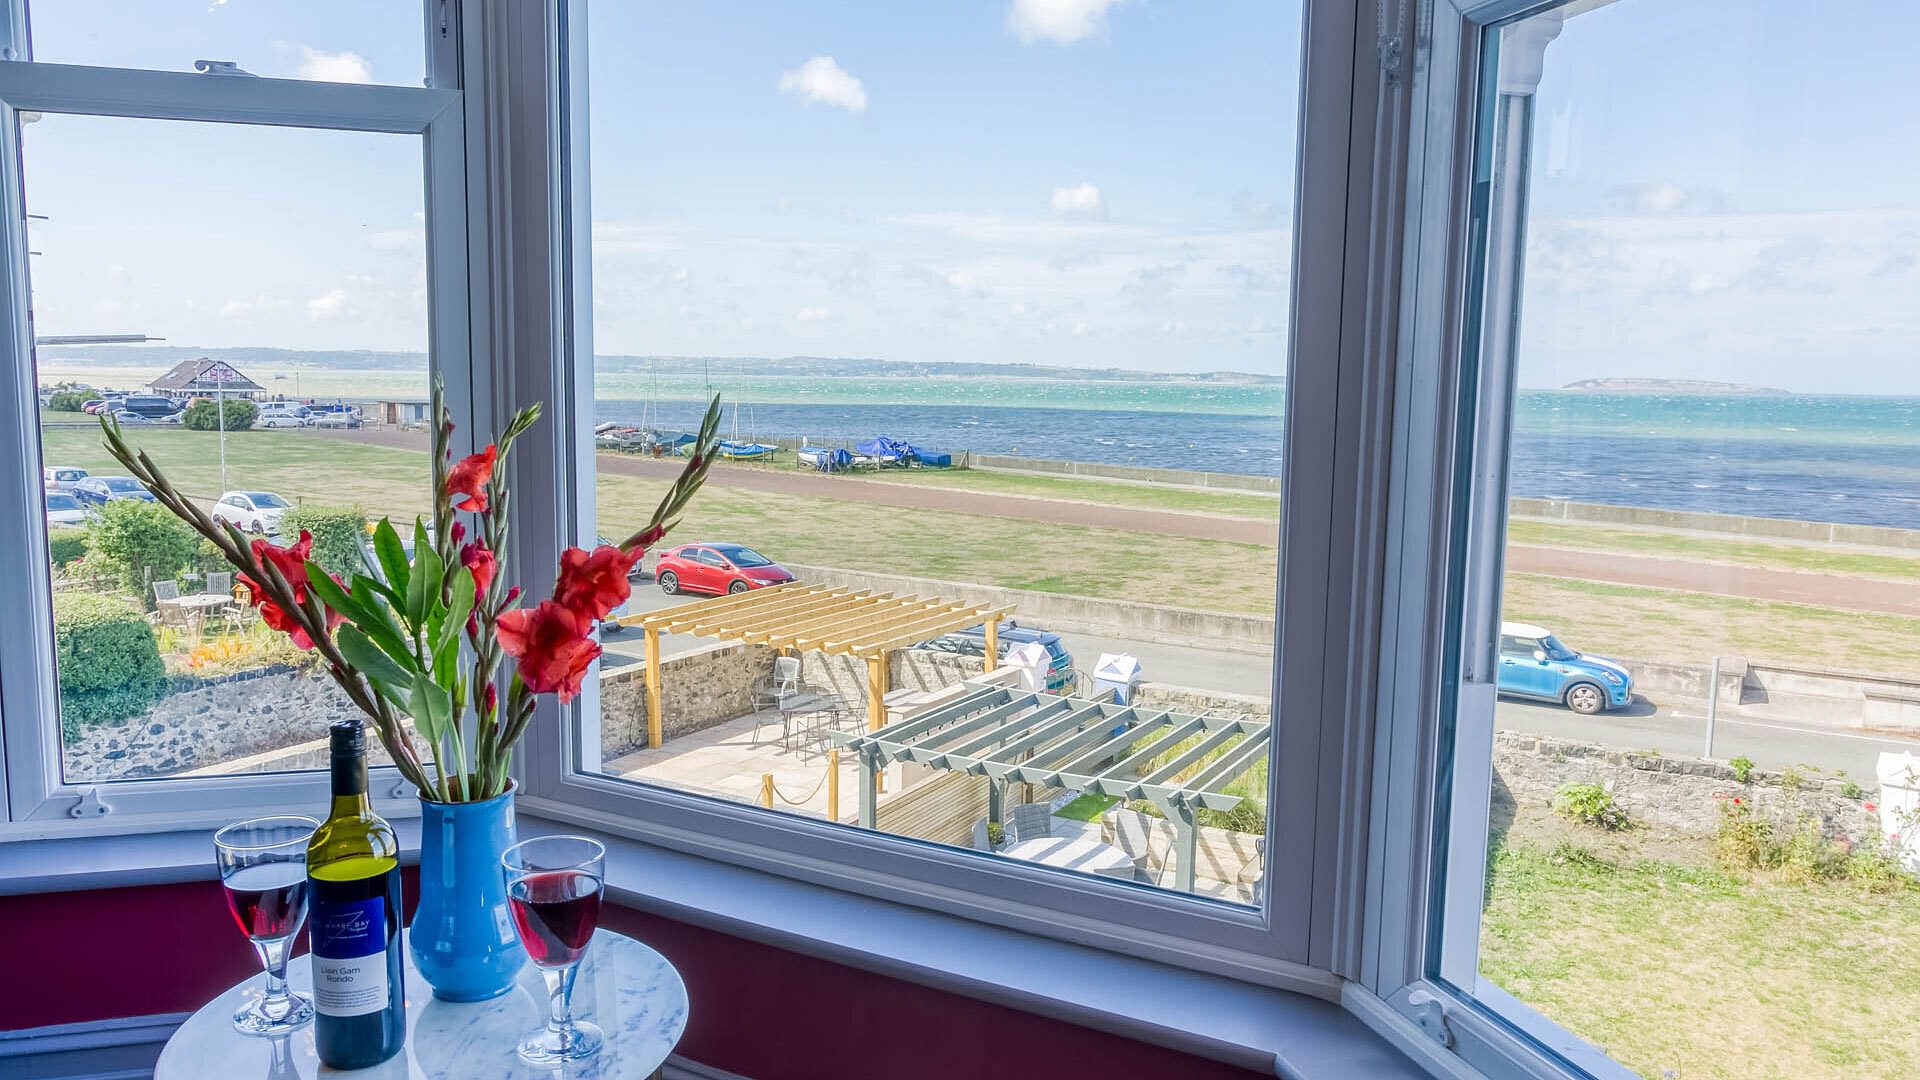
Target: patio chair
772,692
1029,821
220,584
166,590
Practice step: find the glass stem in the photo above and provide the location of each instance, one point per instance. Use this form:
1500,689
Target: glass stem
273,957
560,991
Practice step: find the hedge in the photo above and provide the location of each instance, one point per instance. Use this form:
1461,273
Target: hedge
136,543
339,535
110,668
68,400
202,415
65,546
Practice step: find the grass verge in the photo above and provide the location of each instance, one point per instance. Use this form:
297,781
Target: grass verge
1810,558
1710,975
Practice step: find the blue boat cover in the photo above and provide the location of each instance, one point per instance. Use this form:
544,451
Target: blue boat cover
884,448
730,449
827,460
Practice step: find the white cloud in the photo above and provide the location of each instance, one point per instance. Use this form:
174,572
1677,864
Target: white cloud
1064,21
340,67
812,314
330,306
822,79
1081,198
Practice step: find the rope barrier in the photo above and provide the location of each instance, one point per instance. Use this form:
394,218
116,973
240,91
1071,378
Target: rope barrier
775,788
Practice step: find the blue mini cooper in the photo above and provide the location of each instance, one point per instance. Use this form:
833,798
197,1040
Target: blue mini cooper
1534,664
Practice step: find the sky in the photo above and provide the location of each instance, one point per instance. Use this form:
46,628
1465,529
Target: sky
1723,191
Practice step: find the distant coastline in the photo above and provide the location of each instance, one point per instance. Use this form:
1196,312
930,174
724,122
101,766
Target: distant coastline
1704,387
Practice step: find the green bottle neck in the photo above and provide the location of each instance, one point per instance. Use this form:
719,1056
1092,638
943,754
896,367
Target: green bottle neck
350,786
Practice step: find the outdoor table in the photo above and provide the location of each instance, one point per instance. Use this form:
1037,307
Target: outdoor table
198,603
632,992
804,704
1074,853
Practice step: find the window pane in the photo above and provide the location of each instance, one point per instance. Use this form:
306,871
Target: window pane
1714,470
996,305
352,41
280,271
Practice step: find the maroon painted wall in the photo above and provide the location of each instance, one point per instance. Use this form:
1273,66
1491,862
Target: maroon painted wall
757,1010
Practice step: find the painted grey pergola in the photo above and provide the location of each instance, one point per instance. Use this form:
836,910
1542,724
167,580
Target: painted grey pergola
1096,746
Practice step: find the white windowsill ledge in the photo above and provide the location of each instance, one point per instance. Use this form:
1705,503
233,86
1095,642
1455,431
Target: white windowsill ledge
1259,1028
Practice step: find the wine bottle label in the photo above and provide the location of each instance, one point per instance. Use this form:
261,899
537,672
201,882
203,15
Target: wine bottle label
349,957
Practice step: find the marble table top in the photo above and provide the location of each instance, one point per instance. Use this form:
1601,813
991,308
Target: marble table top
632,992
1074,853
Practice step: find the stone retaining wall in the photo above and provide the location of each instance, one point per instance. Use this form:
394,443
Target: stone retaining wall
1674,793
210,726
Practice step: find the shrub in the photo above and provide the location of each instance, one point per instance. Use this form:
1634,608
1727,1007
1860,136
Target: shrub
1590,804
996,833
68,400
136,543
1746,840
1851,790
110,668
202,415
66,546
1742,767
338,535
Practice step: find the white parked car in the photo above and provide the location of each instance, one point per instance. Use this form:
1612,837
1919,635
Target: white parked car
279,416
257,512
65,508
61,477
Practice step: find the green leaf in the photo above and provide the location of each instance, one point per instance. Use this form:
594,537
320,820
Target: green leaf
392,555
376,618
455,619
423,588
431,708
392,680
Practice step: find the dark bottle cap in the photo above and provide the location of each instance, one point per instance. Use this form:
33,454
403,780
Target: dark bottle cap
347,739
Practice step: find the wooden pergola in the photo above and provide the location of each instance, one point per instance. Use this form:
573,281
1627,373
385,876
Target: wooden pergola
1181,762
811,618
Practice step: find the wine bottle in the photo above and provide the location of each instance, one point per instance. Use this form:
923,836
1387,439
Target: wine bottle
353,877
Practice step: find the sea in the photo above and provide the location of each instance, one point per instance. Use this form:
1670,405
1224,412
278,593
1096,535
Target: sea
1847,459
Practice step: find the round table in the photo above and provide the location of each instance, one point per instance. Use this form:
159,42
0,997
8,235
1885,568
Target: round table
631,991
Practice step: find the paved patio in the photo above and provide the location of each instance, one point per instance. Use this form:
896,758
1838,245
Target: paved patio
722,760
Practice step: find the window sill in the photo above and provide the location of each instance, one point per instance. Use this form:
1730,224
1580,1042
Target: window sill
1254,1027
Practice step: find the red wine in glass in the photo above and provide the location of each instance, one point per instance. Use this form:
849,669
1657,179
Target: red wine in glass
268,900
555,912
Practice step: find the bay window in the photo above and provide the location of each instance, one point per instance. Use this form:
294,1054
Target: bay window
1491,308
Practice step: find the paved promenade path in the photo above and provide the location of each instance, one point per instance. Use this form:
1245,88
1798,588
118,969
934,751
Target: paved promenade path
1724,579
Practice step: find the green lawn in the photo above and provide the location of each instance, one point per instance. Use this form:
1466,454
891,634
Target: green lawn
1087,807
1712,976
1816,558
1078,489
1687,627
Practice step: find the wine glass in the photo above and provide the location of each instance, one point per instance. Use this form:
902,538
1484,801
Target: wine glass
263,867
553,888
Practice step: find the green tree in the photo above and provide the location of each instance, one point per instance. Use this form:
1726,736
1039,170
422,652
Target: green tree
68,401
136,543
201,415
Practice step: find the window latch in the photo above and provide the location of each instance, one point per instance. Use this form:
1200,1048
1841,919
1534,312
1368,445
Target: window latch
222,67
89,805
1430,1013
401,790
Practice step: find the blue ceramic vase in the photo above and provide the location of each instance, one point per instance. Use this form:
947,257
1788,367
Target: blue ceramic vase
462,937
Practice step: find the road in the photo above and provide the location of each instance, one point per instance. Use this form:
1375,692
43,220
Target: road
1674,731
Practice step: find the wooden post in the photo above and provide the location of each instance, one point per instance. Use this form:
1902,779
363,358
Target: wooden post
993,642
654,733
766,790
877,691
833,786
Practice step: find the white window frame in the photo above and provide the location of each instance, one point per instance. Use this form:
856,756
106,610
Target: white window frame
38,801
1455,309
1295,938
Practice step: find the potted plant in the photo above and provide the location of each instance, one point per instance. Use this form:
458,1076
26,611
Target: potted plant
417,642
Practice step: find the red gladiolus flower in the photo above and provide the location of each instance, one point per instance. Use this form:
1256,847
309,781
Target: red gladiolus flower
493,700
591,585
651,536
553,645
478,558
467,483
459,532
291,561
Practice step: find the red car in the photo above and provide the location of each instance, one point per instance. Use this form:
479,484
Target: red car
708,567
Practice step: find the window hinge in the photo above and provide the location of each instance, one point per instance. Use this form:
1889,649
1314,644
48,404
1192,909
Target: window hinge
401,790
89,805
1431,1014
